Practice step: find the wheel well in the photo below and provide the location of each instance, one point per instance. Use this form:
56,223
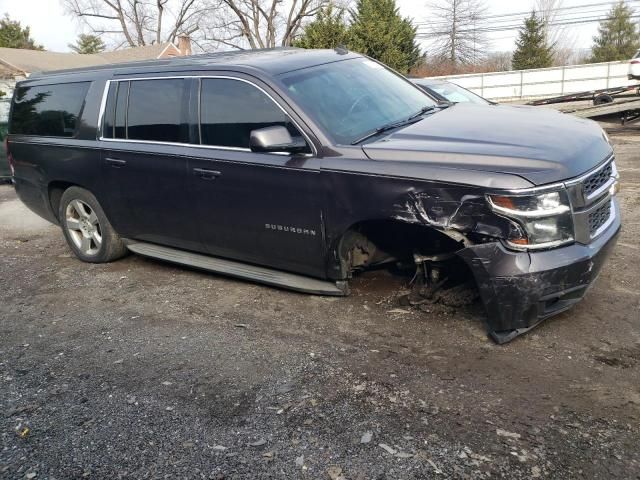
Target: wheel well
56,189
374,242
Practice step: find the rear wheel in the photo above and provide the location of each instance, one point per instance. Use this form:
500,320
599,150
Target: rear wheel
87,229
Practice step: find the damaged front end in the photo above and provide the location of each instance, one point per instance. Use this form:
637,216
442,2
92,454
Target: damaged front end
533,253
521,289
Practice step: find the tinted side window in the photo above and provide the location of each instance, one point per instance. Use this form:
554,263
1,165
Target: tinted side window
109,111
120,112
48,110
231,109
156,110
115,113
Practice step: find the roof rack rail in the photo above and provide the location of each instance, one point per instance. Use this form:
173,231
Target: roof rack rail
179,60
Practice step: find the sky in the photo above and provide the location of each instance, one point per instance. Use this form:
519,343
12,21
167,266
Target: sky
51,28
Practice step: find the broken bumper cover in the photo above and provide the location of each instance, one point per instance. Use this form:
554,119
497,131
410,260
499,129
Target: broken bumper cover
521,289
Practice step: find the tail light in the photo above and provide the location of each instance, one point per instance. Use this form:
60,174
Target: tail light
9,157
635,62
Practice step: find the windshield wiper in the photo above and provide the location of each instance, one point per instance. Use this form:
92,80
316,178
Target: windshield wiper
393,125
422,111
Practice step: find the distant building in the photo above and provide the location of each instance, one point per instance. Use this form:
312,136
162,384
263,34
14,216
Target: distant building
17,64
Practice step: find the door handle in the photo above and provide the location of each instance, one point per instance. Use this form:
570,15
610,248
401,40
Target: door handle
206,174
115,162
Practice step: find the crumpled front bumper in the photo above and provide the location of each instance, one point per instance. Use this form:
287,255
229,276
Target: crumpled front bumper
521,289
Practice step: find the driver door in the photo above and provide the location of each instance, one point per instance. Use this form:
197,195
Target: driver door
262,208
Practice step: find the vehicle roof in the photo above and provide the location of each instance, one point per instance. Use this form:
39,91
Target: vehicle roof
272,61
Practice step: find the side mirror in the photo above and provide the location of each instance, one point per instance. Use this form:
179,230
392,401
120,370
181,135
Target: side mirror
275,139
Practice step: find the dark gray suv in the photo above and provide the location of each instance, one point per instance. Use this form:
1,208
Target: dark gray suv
299,168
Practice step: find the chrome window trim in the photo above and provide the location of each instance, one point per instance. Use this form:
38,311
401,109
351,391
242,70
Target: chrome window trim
200,111
173,144
211,147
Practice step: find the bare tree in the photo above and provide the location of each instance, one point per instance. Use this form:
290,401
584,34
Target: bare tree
498,61
561,39
259,23
456,30
211,24
139,22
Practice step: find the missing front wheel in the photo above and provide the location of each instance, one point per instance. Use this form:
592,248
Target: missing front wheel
441,279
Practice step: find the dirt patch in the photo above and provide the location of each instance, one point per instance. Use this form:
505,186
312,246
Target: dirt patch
623,358
140,369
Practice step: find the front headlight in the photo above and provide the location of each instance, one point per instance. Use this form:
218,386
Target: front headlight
538,221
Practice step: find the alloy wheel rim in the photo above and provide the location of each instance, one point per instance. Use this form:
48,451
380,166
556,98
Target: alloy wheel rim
83,227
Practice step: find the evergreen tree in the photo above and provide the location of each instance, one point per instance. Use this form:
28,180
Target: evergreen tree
378,30
618,37
87,44
328,30
13,35
532,50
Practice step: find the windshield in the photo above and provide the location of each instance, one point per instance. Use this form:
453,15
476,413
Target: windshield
456,94
351,98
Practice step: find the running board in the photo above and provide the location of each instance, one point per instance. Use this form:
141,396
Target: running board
231,268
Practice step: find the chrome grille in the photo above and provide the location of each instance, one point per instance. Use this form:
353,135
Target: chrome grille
591,201
599,178
599,217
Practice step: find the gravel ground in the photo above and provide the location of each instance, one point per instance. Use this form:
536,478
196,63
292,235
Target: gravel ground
141,369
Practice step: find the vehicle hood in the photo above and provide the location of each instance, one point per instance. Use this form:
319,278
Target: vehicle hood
538,144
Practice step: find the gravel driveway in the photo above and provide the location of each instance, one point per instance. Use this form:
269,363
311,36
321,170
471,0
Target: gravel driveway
141,369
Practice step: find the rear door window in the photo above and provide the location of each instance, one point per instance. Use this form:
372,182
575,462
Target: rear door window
48,110
115,115
231,109
109,112
157,110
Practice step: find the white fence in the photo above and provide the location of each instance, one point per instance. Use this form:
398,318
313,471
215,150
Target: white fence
545,82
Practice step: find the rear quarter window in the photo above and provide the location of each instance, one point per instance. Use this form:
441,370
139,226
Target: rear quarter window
48,110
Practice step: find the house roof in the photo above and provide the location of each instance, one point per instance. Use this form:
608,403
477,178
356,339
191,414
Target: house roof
24,61
148,52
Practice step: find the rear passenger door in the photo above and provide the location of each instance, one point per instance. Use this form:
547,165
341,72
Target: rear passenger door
145,131
263,208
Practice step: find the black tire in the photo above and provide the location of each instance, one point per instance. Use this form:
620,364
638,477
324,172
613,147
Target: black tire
602,99
86,228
